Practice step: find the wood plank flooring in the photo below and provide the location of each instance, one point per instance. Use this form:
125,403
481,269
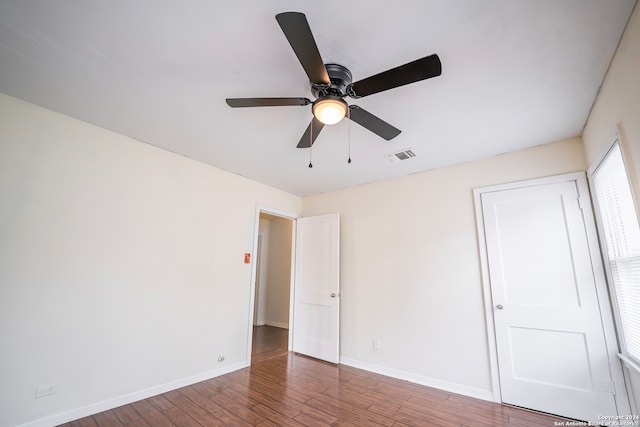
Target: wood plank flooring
268,342
286,389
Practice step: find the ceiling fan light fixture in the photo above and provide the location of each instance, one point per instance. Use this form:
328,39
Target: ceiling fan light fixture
330,109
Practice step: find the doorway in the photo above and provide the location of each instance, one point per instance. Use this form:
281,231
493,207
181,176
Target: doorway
551,332
308,250
272,290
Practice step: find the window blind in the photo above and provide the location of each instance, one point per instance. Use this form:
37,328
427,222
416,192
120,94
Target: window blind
621,241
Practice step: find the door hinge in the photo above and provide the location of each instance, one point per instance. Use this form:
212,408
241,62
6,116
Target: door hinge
582,203
575,202
610,387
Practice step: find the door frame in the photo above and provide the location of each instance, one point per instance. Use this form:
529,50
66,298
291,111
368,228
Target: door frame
252,292
258,283
606,315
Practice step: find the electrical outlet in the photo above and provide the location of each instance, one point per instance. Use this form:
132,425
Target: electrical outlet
376,344
45,390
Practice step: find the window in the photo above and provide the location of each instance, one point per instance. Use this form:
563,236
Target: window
620,235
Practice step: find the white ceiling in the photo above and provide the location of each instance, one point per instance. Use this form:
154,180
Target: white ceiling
516,73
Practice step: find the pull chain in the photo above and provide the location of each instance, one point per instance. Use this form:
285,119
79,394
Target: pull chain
311,144
349,131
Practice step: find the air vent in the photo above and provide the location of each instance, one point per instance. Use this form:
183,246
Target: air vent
401,155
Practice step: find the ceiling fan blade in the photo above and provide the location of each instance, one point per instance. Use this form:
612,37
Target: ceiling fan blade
420,69
266,102
307,141
373,123
297,31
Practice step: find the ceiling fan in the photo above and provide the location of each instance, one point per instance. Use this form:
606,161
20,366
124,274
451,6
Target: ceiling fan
331,83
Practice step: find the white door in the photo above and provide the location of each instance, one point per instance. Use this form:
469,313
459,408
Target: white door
316,307
552,354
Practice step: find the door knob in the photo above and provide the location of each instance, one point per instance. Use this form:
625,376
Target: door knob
499,307
333,295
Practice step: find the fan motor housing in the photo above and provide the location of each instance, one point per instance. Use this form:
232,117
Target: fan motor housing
340,80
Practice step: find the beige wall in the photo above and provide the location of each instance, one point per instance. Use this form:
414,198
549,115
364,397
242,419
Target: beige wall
121,265
272,297
279,276
260,304
410,269
618,104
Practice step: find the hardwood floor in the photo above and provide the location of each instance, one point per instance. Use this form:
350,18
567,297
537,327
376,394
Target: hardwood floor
286,389
268,342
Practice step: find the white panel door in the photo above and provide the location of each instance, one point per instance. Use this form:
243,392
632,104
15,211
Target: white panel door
552,353
316,311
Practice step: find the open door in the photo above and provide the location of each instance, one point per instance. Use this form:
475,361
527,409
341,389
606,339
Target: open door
316,310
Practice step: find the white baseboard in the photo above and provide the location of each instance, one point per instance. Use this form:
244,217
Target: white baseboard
115,402
106,405
465,390
277,324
